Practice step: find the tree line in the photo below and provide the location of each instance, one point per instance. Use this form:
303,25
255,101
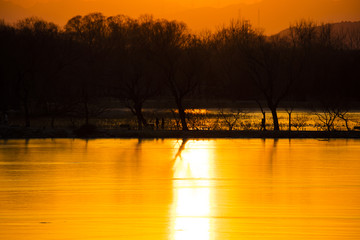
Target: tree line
55,71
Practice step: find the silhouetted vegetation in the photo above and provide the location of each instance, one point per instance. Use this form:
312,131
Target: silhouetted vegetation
96,63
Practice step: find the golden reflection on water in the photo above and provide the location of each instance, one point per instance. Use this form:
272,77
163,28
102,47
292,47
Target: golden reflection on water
192,195
172,189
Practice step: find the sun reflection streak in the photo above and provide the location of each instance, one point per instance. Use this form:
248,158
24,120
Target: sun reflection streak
192,197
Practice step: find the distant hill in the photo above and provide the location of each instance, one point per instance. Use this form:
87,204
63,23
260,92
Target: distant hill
273,15
340,27
11,12
349,30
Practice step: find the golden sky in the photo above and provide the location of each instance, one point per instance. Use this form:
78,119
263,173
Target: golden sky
188,3
271,15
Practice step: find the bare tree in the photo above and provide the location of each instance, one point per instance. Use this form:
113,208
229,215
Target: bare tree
133,70
92,31
289,111
273,66
32,58
174,50
231,118
327,116
353,39
303,35
263,120
345,117
300,121
289,108
271,63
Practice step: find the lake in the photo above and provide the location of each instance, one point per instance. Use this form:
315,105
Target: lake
173,189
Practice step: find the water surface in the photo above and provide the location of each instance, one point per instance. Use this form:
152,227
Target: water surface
183,190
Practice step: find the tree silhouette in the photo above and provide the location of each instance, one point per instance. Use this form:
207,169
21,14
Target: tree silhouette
168,39
7,40
59,72
135,75
92,32
31,59
270,63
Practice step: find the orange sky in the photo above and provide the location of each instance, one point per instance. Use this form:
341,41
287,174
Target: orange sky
271,15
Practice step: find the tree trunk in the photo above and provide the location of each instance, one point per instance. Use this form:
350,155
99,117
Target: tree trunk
346,124
26,110
27,115
143,120
86,112
53,121
275,119
289,121
182,114
263,121
140,117
139,123
329,127
85,98
346,120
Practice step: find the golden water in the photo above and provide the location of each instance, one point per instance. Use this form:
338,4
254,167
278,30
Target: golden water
170,189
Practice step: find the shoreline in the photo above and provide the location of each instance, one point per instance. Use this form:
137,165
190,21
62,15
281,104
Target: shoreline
39,133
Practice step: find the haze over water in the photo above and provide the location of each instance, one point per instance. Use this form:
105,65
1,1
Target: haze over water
171,189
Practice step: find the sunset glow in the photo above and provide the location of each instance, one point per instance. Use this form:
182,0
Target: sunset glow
179,119
192,192
270,15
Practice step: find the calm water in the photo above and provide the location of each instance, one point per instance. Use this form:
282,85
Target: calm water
170,189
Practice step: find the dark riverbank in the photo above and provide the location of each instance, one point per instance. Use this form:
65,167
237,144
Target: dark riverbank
26,133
